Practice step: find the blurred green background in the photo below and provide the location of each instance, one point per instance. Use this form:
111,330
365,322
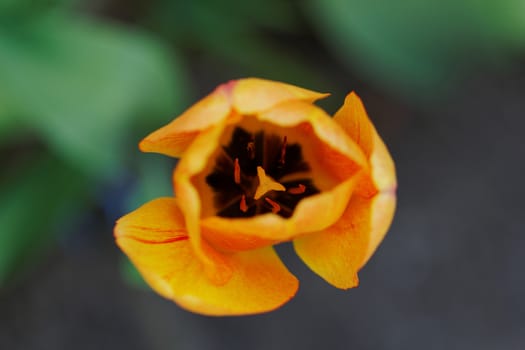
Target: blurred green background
81,82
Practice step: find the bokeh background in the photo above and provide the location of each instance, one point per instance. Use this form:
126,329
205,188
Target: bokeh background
81,82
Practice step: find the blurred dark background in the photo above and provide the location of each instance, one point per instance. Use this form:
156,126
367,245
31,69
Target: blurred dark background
81,82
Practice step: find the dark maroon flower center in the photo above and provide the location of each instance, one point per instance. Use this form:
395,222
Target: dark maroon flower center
258,173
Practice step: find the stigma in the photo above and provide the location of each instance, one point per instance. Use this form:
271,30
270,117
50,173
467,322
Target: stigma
266,184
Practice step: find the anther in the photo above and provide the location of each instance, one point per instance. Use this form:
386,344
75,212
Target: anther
275,206
237,172
283,151
251,149
243,206
297,190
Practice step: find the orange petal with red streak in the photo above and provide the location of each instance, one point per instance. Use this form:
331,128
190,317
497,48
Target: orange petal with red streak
154,239
204,145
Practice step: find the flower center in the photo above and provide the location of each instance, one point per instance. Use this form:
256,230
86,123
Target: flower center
258,173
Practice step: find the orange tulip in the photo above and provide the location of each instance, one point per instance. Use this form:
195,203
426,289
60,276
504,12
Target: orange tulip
260,164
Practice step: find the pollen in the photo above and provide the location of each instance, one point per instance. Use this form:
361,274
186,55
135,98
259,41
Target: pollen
275,206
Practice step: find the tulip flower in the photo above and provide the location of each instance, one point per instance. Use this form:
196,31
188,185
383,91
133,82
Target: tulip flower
259,165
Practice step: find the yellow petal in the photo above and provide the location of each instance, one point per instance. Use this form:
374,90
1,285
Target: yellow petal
333,151
354,120
312,214
174,138
381,179
246,95
157,223
338,252
204,145
153,237
252,95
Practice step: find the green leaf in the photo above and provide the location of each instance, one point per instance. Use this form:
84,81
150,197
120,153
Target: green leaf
130,274
154,180
234,34
277,15
419,47
83,85
33,197
17,9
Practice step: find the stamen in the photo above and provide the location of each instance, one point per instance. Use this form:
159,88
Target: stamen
237,172
266,184
297,190
251,149
256,165
275,206
283,151
243,206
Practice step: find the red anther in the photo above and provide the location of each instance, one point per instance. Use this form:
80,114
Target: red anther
283,151
297,190
275,206
251,149
237,172
243,206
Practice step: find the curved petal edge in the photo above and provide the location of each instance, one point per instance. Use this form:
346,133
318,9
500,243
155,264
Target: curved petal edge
155,241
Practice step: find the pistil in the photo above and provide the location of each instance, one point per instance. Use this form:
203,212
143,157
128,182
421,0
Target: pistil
266,184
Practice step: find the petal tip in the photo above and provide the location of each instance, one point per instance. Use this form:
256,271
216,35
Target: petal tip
353,99
352,282
117,232
227,88
353,94
144,145
252,95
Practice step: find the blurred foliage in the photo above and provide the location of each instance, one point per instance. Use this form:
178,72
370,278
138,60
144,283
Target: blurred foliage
78,90
82,87
16,10
155,173
242,35
32,200
131,275
420,48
